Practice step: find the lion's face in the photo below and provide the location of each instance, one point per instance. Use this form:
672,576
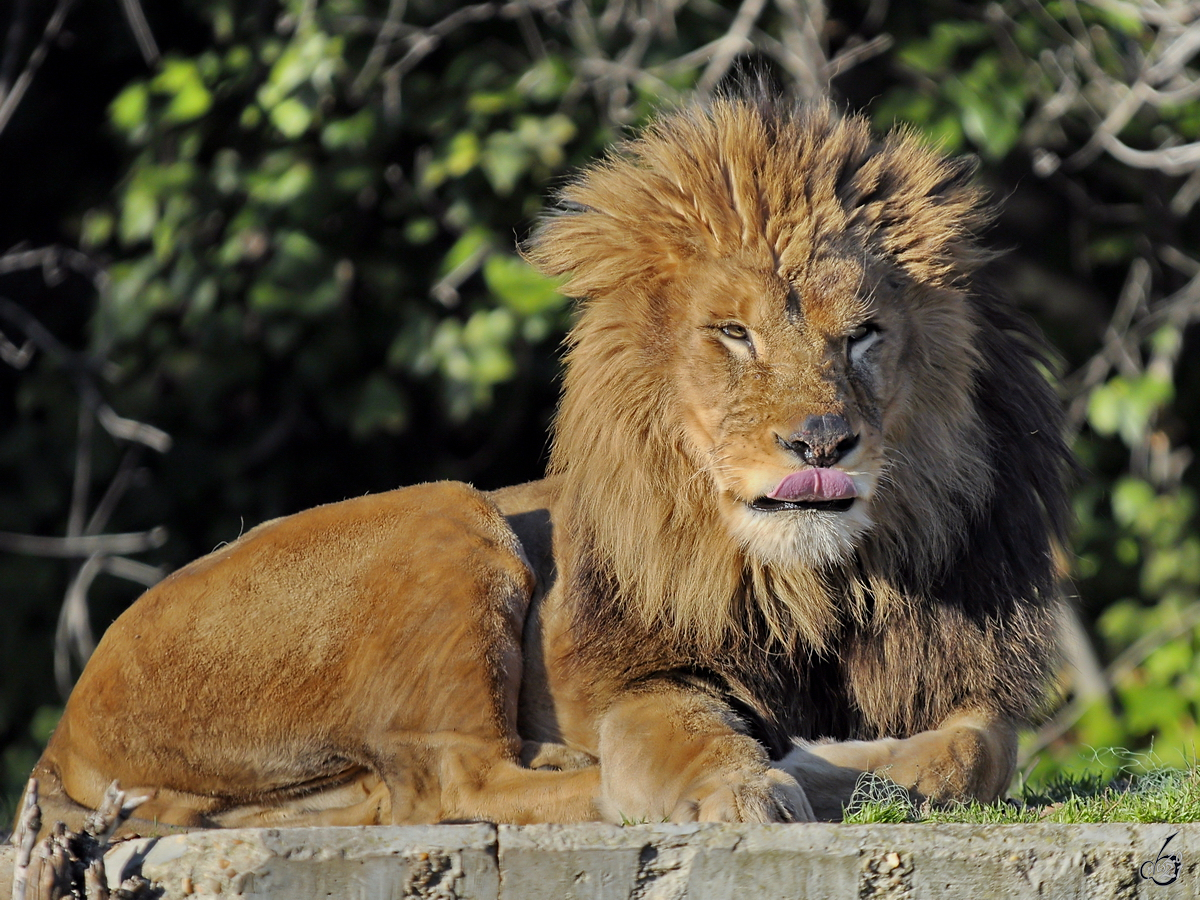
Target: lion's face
795,393
775,367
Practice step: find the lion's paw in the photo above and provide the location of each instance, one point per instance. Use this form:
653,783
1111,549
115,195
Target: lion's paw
759,796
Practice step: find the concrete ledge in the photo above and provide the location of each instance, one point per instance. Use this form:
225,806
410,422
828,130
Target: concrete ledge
663,862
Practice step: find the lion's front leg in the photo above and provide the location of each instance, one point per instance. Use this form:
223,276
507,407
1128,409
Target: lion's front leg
970,756
670,754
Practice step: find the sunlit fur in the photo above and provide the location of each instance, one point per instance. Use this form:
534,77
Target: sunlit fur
734,207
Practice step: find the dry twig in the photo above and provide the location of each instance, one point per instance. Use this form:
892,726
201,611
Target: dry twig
29,823
71,864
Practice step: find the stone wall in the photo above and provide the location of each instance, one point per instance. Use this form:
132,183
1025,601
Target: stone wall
665,862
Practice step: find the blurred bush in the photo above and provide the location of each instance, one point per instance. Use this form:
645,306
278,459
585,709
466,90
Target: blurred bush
301,265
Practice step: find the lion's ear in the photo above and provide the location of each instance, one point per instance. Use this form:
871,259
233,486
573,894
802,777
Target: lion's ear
923,209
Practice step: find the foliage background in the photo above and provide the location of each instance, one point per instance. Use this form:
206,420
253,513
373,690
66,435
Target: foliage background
262,256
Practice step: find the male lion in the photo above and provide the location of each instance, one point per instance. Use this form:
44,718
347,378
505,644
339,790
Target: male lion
805,487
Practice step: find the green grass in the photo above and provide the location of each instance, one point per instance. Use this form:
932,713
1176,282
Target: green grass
1161,795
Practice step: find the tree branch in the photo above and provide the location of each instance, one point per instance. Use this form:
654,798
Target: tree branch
12,99
83,545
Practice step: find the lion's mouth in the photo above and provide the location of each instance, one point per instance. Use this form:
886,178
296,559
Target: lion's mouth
815,488
771,504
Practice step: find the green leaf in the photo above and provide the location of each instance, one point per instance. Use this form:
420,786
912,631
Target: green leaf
224,171
95,229
352,133
935,54
467,249
504,160
487,328
299,246
128,110
421,230
313,57
1098,727
520,287
1126,405
462,154
291,117
1112,248
992,108
491,102
353,179
238,59
1124,20
282,188
1130,498
546,136
139,214
135,296
181,80
1172,566
547,80
1149,707
1167,341
1122,623
1170,660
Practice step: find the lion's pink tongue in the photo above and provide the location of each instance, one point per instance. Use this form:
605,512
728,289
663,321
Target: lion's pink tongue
815,484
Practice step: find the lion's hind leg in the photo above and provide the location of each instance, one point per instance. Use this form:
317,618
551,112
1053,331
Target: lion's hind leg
452,776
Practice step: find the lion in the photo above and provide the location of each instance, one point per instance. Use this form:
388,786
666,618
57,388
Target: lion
805,490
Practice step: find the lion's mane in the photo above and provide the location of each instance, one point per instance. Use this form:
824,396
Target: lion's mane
972,495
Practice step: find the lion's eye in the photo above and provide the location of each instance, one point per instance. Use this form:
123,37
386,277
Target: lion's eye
735,331
861,339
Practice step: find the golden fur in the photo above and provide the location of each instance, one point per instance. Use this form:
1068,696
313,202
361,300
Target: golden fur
319,671
805,483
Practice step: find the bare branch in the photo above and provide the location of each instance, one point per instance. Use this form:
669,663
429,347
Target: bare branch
29,823
114,809
83,545
13,42
805,56
73,636
1179,160
428,39
121,481
130,430
1177,54
84,372
10,101
50,259
855,54
17,357
141,30
388,32
132,570
82,486
735,41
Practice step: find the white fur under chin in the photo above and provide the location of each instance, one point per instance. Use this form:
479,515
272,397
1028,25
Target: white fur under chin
811,537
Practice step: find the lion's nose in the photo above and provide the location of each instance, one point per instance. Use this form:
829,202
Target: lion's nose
822,440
